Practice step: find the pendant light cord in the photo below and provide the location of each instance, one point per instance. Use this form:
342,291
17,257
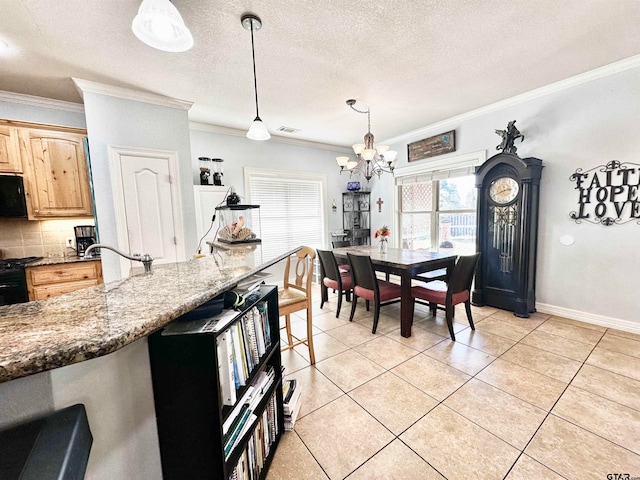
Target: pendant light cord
255,81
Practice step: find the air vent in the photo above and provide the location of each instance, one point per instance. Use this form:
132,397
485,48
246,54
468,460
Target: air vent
288,130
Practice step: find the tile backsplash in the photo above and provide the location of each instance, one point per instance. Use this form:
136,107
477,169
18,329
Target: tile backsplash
47,238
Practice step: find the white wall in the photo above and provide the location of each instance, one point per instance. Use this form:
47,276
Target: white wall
579,127
25,112
113,121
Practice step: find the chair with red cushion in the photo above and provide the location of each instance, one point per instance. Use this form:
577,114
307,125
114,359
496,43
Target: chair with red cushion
367,286
451,294
339,244
333,278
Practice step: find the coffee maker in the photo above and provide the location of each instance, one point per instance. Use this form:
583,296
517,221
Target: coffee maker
85,236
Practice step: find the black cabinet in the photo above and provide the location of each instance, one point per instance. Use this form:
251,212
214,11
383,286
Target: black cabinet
355,217
199,391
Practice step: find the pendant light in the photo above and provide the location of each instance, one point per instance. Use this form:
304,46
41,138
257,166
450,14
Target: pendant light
257,130
160,25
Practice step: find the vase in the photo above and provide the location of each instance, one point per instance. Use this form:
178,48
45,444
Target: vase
382,246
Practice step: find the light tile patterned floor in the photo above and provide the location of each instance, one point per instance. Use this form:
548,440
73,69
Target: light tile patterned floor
538,398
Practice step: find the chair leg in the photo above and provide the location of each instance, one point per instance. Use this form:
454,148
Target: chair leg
367,303
467,306
449,315
348,295
287,321
339,304
376,316
353,307
324,295
433,307
312,354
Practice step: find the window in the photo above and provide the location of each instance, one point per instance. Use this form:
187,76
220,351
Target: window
291,209
438,206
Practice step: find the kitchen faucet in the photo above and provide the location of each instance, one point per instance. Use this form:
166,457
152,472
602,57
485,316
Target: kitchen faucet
146,259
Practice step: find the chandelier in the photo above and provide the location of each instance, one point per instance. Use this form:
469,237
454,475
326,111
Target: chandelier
370,160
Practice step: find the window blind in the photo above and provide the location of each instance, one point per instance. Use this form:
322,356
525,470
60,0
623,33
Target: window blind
291,211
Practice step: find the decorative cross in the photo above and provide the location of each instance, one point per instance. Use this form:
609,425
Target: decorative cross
379,202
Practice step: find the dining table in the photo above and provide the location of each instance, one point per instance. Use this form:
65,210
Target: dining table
406,264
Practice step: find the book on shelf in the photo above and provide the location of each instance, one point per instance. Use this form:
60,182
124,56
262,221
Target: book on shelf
258,446
258,328
263,309
242,416
226,371
240,368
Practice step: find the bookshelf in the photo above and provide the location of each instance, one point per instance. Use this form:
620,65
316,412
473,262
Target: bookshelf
200,394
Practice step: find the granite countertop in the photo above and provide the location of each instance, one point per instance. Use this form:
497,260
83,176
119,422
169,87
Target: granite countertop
47,334
60,260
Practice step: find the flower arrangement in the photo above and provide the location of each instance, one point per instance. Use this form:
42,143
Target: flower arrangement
382,233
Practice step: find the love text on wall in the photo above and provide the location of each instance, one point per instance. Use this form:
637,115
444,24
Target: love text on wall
608,194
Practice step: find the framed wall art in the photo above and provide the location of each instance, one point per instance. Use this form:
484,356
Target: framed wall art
432,146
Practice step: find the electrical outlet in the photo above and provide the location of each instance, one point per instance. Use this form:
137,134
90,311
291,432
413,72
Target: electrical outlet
69,242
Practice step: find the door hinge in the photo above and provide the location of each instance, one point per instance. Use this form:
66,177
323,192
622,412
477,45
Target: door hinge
175,241
170,180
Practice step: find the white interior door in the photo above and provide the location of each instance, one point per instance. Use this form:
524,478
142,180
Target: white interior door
147,206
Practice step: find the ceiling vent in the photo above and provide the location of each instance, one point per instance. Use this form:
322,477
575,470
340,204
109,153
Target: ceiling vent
288,130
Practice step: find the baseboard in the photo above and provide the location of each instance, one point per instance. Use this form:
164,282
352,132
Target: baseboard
610,322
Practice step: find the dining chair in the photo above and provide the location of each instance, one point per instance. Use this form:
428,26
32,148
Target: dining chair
450,294
340,244
333,278
296,296
367,286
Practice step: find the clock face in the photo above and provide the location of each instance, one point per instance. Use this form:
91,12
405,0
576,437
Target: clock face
504,190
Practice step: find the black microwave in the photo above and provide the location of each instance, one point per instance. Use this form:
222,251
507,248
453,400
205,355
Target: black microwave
12,199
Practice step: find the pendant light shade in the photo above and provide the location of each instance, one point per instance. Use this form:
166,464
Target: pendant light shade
257,130
159,25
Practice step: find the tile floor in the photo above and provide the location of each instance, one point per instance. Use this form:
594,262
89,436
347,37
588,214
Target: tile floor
537,398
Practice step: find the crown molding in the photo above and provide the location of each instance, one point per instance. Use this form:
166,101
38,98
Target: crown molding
43,102
205,127
87,86
576,80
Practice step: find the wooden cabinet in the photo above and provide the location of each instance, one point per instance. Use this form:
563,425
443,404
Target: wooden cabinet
209,425
355,217
10,161
47,281
56,174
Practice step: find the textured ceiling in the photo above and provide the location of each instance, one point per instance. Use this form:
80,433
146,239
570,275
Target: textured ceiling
413,62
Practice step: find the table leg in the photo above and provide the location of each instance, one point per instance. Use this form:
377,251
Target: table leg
405,304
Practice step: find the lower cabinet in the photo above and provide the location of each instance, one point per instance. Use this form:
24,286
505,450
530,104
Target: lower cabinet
47,281
217,385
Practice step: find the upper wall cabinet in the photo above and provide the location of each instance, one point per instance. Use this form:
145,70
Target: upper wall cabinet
55,173
9,150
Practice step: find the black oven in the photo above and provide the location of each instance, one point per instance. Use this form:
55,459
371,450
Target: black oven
13,282
12,198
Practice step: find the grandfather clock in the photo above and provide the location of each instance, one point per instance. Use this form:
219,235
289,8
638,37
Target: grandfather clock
507,221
